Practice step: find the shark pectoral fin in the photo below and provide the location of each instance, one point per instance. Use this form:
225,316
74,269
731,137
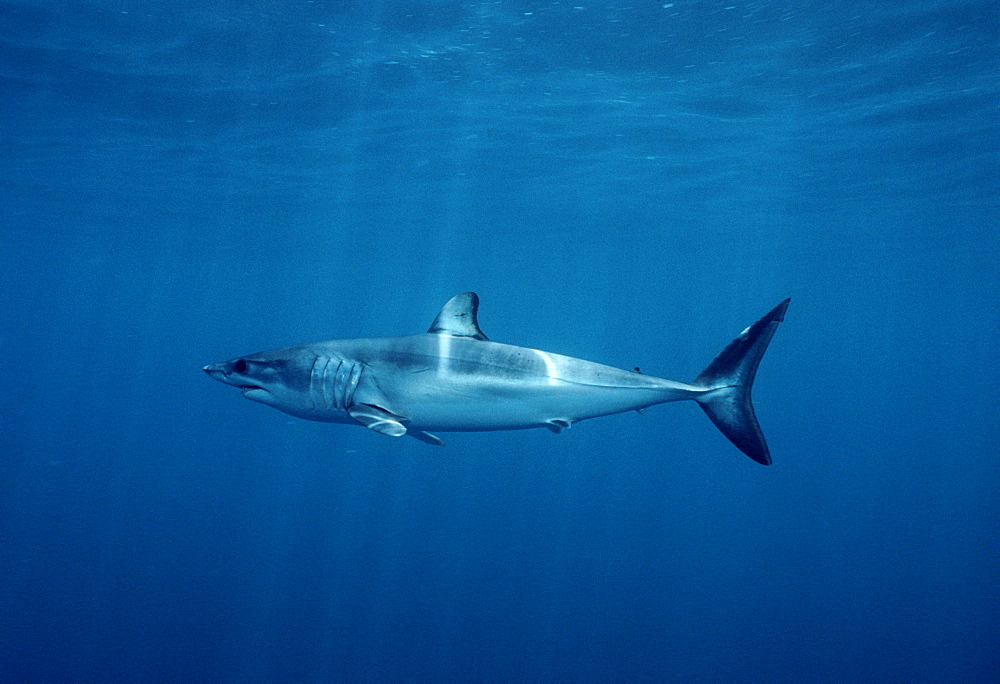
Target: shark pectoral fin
378,419
388,423
557,425
426,437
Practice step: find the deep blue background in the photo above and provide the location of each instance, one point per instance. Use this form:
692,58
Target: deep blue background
628,182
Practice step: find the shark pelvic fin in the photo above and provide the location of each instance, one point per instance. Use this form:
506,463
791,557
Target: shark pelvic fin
458,318
557,425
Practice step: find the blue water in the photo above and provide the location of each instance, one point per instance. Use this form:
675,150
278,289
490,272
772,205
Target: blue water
627,182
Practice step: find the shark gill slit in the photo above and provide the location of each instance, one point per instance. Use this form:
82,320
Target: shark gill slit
327,397
352,384
313,390
333,384
340,383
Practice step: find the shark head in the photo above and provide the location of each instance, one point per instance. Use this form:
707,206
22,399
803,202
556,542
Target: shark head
275,378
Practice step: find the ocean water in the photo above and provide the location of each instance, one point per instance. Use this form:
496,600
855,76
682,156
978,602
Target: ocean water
628,182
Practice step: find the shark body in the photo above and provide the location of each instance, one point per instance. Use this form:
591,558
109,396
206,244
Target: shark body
454,379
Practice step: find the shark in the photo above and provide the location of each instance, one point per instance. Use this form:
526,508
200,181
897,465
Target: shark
453,378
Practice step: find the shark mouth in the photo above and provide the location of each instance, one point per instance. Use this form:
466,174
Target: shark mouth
248,388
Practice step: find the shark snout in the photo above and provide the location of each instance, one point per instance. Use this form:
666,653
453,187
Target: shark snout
216,370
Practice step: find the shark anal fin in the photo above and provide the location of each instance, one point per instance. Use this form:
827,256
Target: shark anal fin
378,419
557,425
426,437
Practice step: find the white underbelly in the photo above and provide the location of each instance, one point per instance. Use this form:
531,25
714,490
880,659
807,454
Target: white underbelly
507,408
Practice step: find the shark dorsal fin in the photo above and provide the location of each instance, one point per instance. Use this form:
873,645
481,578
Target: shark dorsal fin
458,318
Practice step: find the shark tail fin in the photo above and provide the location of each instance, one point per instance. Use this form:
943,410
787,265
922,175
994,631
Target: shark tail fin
727,382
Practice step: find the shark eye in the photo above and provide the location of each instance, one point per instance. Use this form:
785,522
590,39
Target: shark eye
240,366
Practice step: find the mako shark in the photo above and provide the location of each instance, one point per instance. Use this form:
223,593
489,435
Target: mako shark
454,379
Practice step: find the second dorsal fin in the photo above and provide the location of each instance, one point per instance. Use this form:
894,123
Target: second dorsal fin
458,318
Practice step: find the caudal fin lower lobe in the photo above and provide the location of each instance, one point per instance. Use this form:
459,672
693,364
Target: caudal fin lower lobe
728,381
